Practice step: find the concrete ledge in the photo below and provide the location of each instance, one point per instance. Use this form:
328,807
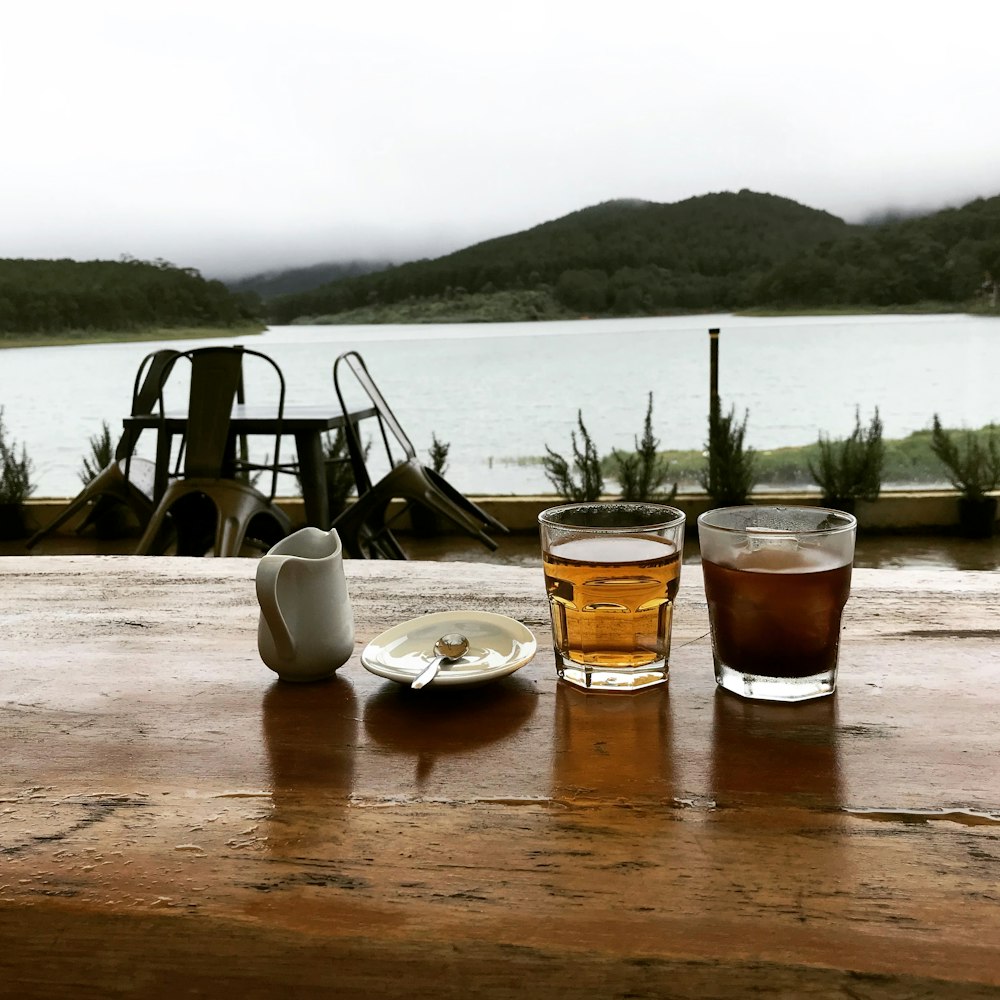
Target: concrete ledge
903,512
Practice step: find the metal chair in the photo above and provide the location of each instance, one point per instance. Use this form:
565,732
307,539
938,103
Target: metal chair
365,527
127,479
212,502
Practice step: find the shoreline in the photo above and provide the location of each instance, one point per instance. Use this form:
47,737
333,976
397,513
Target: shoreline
383,316
479,309
12,341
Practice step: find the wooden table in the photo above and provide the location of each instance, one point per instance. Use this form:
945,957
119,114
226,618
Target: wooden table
174,821
305,422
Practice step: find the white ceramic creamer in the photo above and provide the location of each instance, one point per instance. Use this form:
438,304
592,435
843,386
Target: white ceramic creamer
306,628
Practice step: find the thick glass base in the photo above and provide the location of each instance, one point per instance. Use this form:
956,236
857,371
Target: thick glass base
601,678
762,688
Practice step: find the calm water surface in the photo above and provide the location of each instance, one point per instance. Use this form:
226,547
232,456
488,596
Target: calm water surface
499,393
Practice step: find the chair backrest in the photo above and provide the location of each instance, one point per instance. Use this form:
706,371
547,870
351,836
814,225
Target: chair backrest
389,427
216,384
145,395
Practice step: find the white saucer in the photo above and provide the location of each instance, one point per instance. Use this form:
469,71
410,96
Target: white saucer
498,646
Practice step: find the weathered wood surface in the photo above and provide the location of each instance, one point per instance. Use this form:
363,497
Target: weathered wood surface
174,821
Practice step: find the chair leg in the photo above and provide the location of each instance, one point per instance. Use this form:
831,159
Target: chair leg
446,508
264,530
146,545
212,517
384,545
106,504
108,487
238,512
365,535
462,501
60,519
228,536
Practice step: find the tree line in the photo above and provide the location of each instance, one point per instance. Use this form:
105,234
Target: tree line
952,256
721,251
54,296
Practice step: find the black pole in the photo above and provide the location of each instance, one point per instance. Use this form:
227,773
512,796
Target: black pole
713,402
713,385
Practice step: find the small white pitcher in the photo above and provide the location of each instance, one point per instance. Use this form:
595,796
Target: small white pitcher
306,628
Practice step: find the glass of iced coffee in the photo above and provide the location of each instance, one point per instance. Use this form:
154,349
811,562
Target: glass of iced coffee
776,580
611,573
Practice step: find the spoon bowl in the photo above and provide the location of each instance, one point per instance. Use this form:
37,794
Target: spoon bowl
451,646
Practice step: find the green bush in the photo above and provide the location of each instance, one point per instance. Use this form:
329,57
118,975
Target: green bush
15,470
730,474
579,482
438,453
339,471
909,462
851,468
972,462
101,454
643,473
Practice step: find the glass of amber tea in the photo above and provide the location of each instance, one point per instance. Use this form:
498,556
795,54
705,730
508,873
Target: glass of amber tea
611,573
776,580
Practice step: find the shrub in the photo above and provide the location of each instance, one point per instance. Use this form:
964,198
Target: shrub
642,474
851,469
730,474
339,471
101,454
972,464
15,470
586,463
438,453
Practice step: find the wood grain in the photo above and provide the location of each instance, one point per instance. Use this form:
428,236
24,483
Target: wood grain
174,819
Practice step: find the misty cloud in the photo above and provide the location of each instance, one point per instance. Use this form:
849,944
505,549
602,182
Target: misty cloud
236,137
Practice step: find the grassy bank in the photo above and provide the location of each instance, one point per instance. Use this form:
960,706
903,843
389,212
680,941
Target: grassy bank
915,309
69,338
541,304
464,307
909,462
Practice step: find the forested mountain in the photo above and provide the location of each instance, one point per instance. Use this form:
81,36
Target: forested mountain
52,296
299,279
621,256
718,251
952,256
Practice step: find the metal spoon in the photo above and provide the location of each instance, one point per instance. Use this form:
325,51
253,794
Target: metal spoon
449,647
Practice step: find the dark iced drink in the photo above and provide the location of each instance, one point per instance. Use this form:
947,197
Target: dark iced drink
775,600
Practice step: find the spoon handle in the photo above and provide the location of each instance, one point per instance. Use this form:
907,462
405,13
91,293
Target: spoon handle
430,672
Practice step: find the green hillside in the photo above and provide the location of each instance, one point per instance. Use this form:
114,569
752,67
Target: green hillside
715,252
51,297
951,257
623,257
724,251
268,284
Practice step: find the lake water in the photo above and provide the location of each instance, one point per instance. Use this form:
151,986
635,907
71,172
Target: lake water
499,393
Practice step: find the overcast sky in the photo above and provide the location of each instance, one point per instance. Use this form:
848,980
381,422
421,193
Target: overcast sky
241,136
